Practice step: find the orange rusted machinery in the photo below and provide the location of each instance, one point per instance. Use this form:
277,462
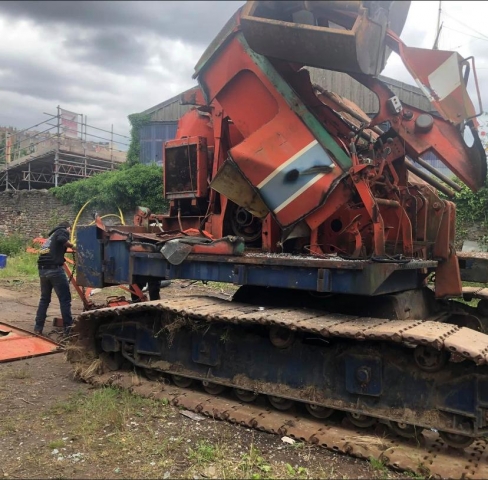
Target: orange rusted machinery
290,167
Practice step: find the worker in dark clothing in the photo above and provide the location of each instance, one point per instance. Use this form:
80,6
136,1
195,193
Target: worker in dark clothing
53,276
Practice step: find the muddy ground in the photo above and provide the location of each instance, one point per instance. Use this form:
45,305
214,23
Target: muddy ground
52,426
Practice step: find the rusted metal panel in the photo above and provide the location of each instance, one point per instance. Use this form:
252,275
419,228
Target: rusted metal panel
280,32
17,344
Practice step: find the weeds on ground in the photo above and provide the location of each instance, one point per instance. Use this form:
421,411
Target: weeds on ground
11,244
56,444
20,374
15,373
377,464
222,287
22,266
8,425
296,472
203,453
105,411
253,464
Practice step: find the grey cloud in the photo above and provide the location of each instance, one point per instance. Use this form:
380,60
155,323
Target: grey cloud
115,51
27,77
194,22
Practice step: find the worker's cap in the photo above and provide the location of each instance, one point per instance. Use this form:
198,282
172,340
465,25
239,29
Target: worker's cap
65,225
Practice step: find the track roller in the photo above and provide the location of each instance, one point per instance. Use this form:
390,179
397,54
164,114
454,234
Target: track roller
429,359
153,375
213,388
280,403
181,382
318,411
281,337
360,420
111,360
405,430
455,440
245,395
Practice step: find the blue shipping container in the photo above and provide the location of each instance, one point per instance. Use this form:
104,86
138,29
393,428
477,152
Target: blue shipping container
152,138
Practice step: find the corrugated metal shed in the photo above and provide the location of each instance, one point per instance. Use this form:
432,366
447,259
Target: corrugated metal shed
168,111
152,138
341,83
346,86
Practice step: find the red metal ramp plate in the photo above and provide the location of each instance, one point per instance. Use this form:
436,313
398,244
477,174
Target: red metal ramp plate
16,344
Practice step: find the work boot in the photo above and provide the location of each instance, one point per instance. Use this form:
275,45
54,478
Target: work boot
38,331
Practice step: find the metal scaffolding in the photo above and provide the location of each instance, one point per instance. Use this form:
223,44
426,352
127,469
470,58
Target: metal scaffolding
44,159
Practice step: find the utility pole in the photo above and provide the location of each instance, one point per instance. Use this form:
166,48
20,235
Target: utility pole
56,155
439,26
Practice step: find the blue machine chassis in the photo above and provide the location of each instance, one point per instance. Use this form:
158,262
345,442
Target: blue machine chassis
101,264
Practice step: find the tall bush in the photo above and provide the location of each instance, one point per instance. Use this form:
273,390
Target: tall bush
12,244
126,188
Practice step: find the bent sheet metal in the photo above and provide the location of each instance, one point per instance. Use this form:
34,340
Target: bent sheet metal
17,344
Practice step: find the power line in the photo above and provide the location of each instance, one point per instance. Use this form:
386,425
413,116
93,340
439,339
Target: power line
467,34
467,26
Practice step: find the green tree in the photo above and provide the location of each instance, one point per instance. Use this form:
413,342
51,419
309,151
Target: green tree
471,207
126,188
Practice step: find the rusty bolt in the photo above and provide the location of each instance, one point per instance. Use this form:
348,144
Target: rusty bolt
407,114
436,205
363,375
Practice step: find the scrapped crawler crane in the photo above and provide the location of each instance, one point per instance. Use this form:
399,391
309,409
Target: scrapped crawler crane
342,244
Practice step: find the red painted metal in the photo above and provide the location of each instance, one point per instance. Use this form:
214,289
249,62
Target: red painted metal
17,344
439,73
375,208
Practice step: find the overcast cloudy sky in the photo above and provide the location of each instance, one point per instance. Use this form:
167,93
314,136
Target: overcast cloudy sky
110,59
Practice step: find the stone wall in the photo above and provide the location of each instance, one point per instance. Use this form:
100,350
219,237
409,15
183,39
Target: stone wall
32,213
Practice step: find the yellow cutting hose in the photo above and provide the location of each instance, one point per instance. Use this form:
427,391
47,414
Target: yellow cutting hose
109,215
73,238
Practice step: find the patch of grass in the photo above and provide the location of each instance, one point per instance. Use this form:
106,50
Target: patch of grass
253,464
20,374
417,476
204,453
8,425
12,244
105,410
56,444
222,287
69,406
377,464
297,471
15,373
22,266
